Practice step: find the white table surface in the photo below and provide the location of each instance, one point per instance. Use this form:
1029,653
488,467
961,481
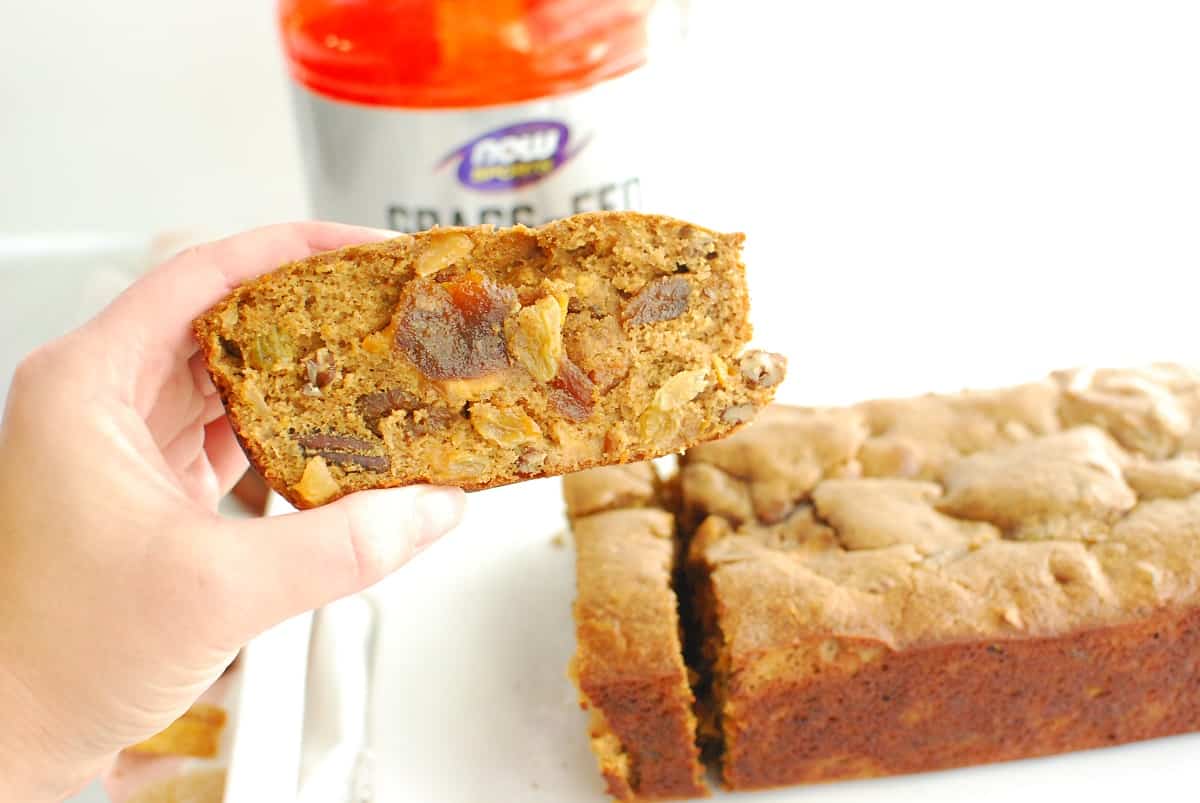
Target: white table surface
936,194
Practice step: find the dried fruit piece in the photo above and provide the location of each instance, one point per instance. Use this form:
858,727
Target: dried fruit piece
270,350
258,403
317,485
452,329
229,316
451,465
763,369
504,427
681,389
663,299
380,342
375,406
535,337
657,424
571,393
600,348
442,250
659,421
720,371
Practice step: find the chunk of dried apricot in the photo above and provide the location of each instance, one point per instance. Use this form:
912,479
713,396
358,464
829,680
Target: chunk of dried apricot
453,329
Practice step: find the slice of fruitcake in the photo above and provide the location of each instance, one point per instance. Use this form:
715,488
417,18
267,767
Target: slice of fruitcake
477,357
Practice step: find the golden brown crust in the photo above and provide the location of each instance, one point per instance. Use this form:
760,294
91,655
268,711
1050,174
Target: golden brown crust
628,663
197,733
987,701
478,357
1036,549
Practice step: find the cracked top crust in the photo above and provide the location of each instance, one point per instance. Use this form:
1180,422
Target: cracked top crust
1030,511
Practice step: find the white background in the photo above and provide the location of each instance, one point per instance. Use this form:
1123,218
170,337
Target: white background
936,193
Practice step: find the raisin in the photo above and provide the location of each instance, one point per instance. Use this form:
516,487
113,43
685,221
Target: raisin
571,393
231,348
663,299
270,350
453,329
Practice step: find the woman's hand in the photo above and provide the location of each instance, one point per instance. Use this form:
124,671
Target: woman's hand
122,594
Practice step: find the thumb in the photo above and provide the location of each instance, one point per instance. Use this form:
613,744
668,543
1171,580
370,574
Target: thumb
289,564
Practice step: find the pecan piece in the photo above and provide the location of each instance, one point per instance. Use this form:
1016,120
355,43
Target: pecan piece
663,299
320,373
344,450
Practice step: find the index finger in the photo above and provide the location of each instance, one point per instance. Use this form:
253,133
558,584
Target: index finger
153,318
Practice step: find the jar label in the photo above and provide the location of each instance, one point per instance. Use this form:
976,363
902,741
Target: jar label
410,169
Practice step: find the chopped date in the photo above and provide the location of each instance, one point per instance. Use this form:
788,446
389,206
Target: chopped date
453,329
571,393
374,407
663,299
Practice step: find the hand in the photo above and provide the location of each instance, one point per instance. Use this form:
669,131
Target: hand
122,594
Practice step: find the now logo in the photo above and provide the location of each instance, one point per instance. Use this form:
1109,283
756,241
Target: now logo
513,156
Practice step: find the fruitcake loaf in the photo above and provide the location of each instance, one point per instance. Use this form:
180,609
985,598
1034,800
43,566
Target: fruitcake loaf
917,584
628,662
476,357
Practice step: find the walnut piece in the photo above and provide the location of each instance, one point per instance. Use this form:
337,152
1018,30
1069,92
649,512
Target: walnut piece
317,485
535,337
738,414
763,369
442,250
663,299
511,427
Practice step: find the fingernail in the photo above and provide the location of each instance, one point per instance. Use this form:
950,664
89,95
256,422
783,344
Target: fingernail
441,508
388,234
